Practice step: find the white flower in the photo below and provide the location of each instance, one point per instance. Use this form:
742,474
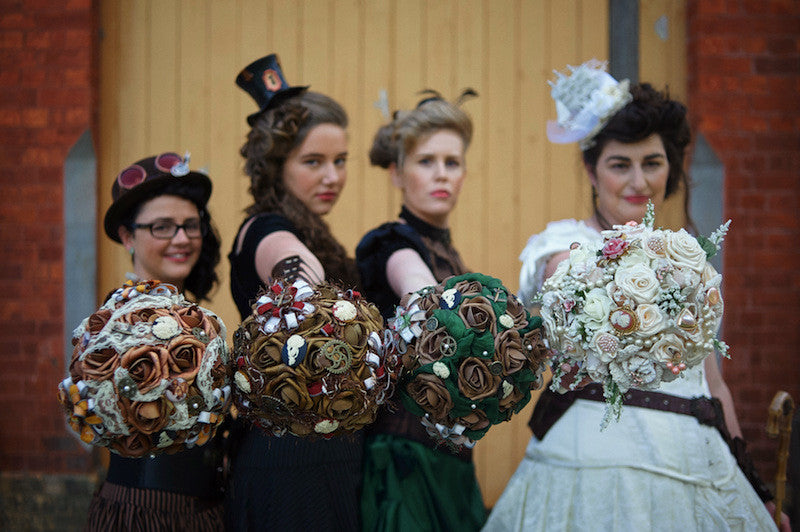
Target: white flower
683,251
651,320
637,282
636,371
441,370
669,348
165,328
596,308
344,310
632,257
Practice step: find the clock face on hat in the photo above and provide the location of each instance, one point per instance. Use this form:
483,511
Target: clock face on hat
272,80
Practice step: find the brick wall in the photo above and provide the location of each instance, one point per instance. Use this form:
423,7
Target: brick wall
744,81
46,102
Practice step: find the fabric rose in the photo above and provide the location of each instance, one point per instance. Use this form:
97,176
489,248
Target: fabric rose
637,282
595,308
475,420
266,352
509,351
669,348
537,352
100,365
469,288
516,310
636,371
134,445
281,383
634,256
147,365
430,346
144,315
614,248
683,250
651,320
185,355
340,406
475,380
431,395
146,417
355,335
192,316
97,321
477,314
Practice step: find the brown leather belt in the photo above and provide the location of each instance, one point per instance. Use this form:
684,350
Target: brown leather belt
551,406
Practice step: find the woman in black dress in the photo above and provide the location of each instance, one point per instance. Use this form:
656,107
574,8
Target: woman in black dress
295,156
409,482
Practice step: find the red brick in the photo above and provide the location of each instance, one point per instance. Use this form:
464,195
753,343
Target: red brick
780,66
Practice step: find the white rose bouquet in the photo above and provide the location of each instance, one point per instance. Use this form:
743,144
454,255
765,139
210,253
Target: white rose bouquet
634,313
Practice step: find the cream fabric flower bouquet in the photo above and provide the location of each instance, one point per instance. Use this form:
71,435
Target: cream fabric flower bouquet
634,313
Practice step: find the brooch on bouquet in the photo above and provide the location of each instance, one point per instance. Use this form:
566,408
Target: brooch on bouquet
470,354
634,313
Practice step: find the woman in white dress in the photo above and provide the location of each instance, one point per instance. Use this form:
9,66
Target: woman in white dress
654,469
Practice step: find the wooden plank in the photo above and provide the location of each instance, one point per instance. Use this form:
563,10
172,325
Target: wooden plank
163,77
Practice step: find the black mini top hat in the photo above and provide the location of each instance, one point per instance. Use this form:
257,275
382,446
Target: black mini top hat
144,178
263,80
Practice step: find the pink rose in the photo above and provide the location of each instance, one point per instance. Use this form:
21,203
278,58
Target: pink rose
614,248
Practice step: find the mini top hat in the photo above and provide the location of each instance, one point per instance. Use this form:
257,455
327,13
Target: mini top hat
586,99
145,177
263,80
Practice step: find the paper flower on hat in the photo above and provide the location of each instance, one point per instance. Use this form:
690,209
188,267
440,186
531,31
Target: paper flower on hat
634,312
311,361
585,100
470,356
149,373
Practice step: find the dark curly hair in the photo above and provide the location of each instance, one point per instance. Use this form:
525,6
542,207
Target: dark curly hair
274,134
650,111
203,277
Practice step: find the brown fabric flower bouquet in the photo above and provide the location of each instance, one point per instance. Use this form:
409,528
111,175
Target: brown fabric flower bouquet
149,373
470,355
310,361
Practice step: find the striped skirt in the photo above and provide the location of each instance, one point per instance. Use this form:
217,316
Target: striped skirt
117,507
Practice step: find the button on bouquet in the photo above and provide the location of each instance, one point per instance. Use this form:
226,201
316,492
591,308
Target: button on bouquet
149,373
634,313
310,361
470,355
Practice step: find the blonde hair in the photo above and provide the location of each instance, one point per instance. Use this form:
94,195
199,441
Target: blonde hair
399,137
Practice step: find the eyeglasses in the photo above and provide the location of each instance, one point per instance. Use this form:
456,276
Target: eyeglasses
167,229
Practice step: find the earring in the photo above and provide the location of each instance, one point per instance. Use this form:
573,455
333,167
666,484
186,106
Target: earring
130,250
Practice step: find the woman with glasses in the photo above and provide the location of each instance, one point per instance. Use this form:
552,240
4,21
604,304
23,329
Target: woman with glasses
159,214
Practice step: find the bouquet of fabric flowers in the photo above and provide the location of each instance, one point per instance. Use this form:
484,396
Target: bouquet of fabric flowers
149,373
634,313
310,361
470,355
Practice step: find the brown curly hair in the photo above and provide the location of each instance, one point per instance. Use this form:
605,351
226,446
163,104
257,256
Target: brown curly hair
275,133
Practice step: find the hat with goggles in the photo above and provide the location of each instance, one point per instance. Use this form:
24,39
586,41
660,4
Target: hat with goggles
145,178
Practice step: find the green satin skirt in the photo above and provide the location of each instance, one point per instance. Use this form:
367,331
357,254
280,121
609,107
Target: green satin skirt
408,486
